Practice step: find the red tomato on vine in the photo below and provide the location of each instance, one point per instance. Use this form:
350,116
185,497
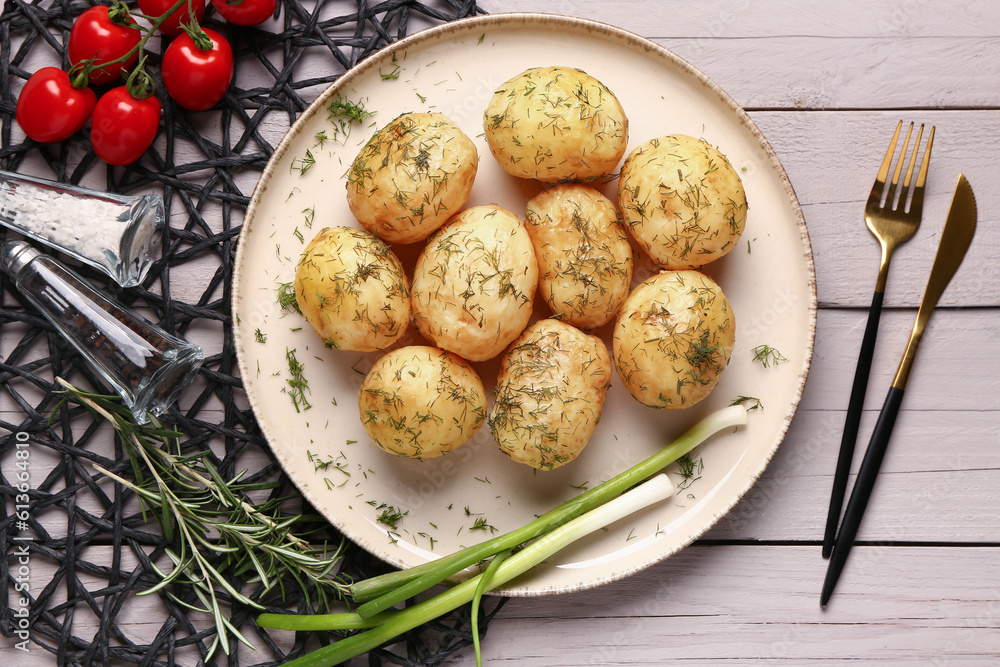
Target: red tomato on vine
50,109
123,127
104,34
245,12
197,79
172,25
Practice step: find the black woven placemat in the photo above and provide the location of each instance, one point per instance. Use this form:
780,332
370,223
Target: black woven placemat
88,549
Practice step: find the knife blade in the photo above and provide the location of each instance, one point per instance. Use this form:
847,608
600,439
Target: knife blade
955,241
956,238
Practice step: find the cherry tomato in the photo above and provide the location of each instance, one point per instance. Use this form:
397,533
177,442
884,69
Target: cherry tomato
172,25
197,79
245,12
96,35
123,127
50,109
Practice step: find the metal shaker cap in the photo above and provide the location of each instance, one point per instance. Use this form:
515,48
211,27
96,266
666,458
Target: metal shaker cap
16,255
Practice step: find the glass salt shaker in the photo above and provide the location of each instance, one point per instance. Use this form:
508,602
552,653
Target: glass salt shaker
116,234
144,363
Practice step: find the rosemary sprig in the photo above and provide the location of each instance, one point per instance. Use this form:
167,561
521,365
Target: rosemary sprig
216,535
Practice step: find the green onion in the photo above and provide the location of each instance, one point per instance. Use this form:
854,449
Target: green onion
486,584
403,620
311,622
382,592
591,510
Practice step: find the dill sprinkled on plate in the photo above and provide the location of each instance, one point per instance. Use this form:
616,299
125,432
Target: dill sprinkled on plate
482,524
767,355
344,109
690,471
343,114
390,515
749,402
286,297
297,383
303,164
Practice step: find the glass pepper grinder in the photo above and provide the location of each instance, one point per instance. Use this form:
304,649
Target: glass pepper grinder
144,363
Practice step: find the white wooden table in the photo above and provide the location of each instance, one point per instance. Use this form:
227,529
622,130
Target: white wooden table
826,83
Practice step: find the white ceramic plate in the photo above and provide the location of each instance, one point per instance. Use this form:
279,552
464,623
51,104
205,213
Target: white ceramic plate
453,69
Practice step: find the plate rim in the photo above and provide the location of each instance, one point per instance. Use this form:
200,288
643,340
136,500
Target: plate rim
626,38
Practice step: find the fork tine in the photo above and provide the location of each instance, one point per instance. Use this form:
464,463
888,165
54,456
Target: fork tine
922,174
890,198
905,192
913,159
883,172
916,204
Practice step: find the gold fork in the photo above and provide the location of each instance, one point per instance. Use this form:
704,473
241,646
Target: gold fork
893,223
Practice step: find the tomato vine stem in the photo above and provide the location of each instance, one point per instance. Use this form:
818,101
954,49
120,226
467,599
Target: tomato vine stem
143,85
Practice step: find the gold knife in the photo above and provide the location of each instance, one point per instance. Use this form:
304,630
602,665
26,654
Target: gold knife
955,241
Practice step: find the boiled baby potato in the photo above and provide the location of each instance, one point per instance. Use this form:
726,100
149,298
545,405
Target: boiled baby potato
474,283
352,290
556,124
549,394
682,201
411,176
584,256
673,339
420,402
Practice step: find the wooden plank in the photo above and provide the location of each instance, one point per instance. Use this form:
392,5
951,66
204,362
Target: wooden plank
937,483
832,178
759,605
956,366
740,603
857,54
771,18
847,72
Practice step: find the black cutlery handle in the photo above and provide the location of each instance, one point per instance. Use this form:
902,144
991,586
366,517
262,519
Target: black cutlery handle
862,490
854,410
